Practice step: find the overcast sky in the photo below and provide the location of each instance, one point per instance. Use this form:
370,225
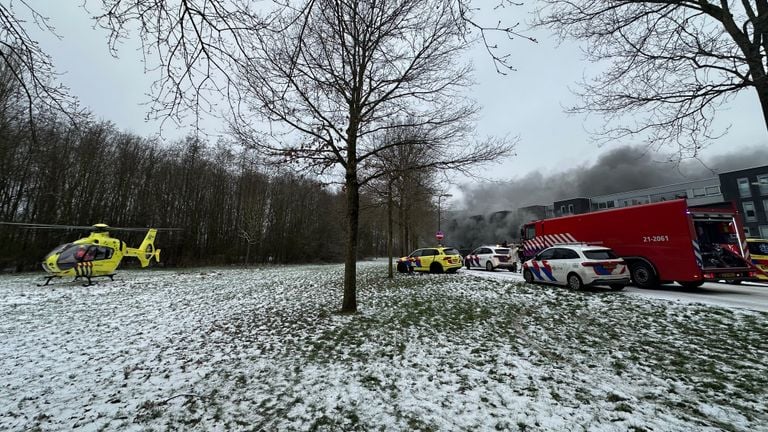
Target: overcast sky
527,103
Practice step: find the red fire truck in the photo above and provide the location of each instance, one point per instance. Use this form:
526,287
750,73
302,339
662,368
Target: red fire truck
661,242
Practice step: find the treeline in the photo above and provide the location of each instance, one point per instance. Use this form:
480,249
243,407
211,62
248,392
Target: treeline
229,210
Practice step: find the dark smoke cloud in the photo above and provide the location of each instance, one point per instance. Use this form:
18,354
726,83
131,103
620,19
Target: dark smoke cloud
620,169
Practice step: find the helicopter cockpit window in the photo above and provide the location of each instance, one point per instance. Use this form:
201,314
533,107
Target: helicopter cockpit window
100,252
57,250
70,255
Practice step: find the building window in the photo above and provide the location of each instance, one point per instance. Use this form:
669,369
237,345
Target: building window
611,204
749,211
562,210
713,190
763,231
570,209
765,205
746,232
602,205
699,192
744,187
762,181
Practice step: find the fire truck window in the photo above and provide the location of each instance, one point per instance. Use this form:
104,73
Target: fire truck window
530,232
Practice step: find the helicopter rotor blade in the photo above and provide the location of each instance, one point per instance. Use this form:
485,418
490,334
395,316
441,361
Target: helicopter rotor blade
82,227
142,229
46,226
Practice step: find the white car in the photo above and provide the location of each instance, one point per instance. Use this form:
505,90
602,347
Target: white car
576,266
491,258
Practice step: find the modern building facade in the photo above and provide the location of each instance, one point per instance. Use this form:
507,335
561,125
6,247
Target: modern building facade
697,192
572,206
748,190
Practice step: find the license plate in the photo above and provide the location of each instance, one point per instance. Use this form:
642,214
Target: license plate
727,275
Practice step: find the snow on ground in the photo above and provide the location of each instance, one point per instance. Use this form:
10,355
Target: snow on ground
264,349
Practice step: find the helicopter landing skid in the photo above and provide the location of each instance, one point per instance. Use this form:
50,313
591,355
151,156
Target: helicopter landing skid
89,283
47,280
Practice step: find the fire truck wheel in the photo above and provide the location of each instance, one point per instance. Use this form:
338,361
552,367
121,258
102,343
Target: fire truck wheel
489,266
643,275
528,276
574,282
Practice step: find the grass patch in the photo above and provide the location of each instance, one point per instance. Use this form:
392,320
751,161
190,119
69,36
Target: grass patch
268,351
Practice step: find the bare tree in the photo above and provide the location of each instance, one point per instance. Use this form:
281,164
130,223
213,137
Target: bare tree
328,75
31,69
673,61
340,71
195,44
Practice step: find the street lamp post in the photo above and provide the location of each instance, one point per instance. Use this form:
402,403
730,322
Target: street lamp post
438,208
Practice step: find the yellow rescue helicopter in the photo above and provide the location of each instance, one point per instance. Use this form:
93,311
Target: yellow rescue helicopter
97,255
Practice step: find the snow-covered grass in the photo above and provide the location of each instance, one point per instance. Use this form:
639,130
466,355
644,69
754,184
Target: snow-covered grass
264,349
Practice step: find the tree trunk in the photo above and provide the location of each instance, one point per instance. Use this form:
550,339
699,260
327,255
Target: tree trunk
761,86
389,231
349,304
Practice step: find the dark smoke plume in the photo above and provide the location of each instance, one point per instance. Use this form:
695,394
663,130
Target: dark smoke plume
621,169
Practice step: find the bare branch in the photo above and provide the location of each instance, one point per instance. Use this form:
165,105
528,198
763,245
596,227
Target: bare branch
670,64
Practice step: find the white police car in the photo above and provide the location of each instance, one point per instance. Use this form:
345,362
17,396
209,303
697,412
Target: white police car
576,266
491,258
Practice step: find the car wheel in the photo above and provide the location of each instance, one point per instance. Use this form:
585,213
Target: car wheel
643,275
489,266
616,287
435,268
574,282
528,276
691,285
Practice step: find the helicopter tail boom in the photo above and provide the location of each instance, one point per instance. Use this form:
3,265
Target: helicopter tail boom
147,250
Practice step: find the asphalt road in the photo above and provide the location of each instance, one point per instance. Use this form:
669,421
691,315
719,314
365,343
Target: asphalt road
748,295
